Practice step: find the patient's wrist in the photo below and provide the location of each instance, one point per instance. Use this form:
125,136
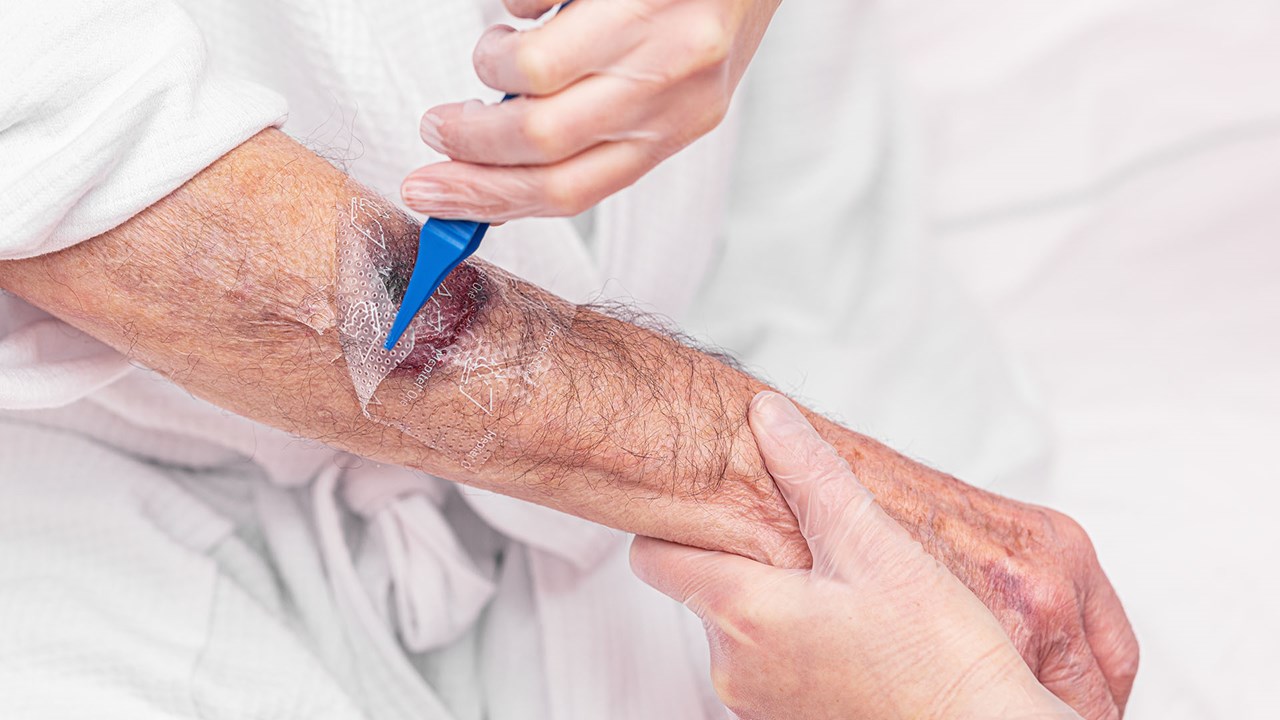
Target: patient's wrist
770,531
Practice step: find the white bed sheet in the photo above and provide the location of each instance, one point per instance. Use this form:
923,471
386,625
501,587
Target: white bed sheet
1105,178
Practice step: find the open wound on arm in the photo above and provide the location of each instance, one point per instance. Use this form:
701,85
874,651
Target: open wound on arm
471,360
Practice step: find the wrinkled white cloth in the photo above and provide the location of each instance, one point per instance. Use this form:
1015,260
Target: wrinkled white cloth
418,598
93,129
123,596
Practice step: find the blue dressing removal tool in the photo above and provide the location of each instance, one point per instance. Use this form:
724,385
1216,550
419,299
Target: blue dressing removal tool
442,244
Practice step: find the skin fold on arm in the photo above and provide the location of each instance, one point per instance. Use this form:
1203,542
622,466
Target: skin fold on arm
233,286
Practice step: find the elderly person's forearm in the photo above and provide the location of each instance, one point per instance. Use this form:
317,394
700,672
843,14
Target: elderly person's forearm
258,284
238,287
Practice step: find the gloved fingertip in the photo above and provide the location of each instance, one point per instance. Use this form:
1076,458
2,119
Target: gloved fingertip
492,55
490,40
775,413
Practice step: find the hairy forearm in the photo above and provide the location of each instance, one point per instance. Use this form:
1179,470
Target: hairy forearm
265,285
239,287
256,284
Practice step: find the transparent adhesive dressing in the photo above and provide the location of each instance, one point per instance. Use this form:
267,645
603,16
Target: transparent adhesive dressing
471,360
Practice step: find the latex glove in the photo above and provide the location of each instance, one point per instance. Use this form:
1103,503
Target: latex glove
877,629
611,88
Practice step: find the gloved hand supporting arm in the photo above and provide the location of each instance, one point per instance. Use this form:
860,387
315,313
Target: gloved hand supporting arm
875,629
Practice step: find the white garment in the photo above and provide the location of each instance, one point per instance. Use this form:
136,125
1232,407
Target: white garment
93,129
566,631
122,596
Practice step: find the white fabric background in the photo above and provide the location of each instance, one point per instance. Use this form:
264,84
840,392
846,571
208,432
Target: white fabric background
1105,178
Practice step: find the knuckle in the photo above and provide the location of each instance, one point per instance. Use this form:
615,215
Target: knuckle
563,195
1052,532
1072,538
537,65
1068,532
542,133
1044,602
708,41
1052,599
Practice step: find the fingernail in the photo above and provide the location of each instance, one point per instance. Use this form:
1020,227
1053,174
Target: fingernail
487,55
429,129
776,413
487,42
422,193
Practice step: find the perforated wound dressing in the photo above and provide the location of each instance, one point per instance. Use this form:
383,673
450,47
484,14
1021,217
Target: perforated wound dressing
472,358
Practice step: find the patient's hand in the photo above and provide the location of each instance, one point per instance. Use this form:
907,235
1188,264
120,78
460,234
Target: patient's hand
240,286
1034,568
1055,601
876,628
